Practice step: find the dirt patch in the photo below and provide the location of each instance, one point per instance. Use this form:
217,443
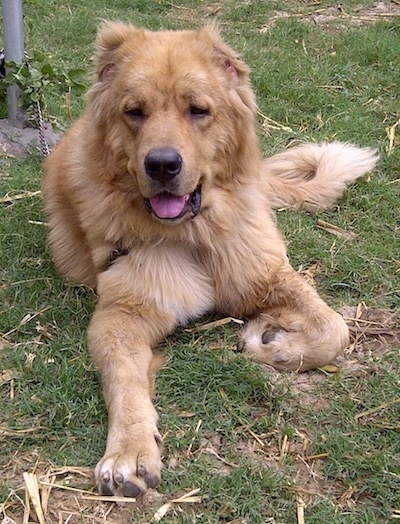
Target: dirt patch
357,16
373,332
15,141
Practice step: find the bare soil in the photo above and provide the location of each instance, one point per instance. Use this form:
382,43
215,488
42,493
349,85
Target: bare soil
20,141
330,17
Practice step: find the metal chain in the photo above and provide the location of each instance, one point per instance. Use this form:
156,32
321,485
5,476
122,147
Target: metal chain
42,136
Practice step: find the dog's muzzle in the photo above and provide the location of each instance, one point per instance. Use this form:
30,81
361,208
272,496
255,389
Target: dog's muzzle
162,165
168,206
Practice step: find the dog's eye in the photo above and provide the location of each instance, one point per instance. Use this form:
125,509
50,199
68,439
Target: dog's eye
135,113
198,112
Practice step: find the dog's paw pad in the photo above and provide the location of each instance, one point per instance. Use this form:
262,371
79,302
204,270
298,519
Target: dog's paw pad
129,489
106,490
269,335
152,481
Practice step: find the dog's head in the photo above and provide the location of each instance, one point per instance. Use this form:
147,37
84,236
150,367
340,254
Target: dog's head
176,110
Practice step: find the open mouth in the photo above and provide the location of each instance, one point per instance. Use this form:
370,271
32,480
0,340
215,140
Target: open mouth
167,206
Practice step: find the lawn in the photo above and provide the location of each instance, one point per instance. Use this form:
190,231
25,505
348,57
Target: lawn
243,443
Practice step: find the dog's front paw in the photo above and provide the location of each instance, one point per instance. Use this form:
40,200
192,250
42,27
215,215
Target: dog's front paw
132,469
295,343
269,344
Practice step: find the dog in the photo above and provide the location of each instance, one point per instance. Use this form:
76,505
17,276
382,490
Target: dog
159,198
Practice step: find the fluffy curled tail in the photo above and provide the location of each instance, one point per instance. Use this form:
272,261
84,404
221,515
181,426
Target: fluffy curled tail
314,176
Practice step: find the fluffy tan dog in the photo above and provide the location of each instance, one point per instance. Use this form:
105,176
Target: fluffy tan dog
159,198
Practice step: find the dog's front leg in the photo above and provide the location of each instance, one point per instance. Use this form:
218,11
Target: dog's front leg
120,340
296,329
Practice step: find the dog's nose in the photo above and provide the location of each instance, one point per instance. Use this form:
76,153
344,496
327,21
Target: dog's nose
163,164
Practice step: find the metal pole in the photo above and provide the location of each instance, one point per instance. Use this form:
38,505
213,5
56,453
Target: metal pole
13,30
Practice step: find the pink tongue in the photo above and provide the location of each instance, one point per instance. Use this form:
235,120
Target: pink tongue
165,205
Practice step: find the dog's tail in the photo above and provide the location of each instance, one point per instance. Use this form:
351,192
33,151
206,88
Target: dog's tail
314,176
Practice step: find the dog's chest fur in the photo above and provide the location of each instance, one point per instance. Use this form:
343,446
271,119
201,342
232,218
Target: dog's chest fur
188,280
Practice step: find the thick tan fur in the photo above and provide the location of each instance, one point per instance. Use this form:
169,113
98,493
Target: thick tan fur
186,94
314,176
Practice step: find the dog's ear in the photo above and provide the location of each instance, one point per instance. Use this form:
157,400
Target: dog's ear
110,37
229,60
235,71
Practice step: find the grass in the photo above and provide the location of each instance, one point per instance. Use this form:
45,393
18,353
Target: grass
261,447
